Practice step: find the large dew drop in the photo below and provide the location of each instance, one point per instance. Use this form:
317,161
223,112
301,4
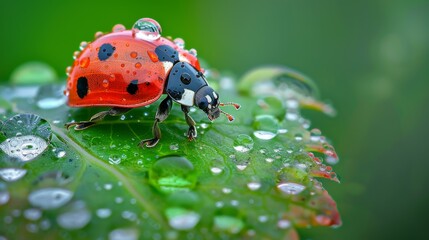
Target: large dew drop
12,174
50,198
265,126
182,219
147,29
76,217
173,173
50,97
24,148
243,143
27,136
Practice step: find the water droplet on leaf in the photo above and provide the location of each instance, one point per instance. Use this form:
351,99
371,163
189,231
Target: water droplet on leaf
33,214
290,188
265,126
173,173
77,216
253,186
228,224
12,174
50,198
182,219
103,212
4,194
243,143
50,97
124,234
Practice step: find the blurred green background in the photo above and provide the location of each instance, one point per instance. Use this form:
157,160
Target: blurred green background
369,58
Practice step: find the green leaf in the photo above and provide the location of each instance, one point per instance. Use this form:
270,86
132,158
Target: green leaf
256,177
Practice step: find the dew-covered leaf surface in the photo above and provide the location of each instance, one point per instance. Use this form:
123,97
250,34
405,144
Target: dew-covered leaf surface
254,178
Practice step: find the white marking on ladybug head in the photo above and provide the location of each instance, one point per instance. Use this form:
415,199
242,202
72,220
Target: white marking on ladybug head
187,98
215,95
167,66
209,99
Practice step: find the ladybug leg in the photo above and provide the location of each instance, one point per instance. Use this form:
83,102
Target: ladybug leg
161,114
96,118
192,131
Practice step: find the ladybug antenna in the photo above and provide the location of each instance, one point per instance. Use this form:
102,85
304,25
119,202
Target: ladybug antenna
237,106
229,116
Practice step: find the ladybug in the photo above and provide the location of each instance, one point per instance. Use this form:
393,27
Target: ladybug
127,69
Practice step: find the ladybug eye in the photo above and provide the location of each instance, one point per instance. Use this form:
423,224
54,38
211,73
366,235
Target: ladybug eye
147,29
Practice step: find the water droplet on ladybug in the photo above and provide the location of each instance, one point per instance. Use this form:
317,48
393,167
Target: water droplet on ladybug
84,62
152,56
118,28
68,70
112,77
138,65
147,29
98,34
193,52
105,83
83,45
76,54
179,42
133,54
122,65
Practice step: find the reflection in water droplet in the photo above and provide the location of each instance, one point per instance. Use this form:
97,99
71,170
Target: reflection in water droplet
253,186
228,224
265,126
124,234
147,29
12,174
24,148
32,214
103,212
50,198
291,188
182,219
173,173
283,224
243,143
76,217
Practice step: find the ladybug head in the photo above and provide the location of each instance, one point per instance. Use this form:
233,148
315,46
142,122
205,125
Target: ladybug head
208,100
188,86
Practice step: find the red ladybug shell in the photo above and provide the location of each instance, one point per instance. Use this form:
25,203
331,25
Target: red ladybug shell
121,70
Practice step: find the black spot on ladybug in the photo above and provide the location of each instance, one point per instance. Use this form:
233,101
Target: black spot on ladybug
147,83
106,50
82,87
185,78
166,53
132,87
